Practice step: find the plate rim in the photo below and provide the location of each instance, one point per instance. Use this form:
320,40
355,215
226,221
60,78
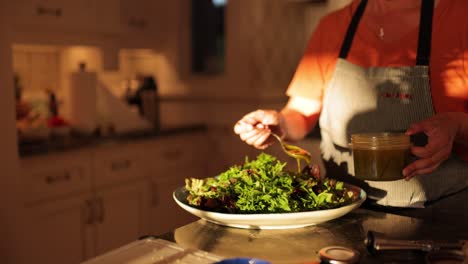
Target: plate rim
185,206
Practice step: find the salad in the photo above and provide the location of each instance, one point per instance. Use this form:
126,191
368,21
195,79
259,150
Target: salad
263,185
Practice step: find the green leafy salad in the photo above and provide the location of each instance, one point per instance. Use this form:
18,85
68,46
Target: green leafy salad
263,186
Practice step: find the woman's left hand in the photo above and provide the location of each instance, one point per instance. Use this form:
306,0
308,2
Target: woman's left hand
441,130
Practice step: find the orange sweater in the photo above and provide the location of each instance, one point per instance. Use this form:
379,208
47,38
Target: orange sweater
448,61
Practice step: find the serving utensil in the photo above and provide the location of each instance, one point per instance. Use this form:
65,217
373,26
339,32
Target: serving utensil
376,242
294,151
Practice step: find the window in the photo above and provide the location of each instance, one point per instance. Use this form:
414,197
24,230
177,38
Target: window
208,36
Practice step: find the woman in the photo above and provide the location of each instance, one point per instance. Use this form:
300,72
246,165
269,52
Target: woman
377,66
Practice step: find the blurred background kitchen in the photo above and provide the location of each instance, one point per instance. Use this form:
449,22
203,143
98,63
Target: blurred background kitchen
107,106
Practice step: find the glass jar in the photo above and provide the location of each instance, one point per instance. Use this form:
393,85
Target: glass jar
380,156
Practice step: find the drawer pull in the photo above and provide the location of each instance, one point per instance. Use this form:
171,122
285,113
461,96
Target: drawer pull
57,12
154,194
101,212
137,22
56,179
121,165
89,212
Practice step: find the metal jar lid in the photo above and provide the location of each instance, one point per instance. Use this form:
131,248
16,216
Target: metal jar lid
338,255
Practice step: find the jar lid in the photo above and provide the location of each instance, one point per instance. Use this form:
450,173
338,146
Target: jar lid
338,255
384,140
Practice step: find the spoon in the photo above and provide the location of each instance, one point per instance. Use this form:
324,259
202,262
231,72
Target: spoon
294,151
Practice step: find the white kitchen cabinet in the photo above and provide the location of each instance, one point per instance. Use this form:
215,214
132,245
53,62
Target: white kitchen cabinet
118,163
89,201
86,225
60,231
86,202
122,215
174,160
51,177
78,16
144,22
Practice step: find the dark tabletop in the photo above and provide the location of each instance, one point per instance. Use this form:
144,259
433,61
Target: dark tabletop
444,220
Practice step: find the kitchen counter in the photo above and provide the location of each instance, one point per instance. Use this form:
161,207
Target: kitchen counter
445,219
74,142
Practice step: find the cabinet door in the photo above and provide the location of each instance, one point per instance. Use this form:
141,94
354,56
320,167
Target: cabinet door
143,19
166,215
118,163
60,232
54,14
86,16
121,215
49,177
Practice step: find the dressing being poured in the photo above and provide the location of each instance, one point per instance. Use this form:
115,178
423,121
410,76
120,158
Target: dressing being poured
293,151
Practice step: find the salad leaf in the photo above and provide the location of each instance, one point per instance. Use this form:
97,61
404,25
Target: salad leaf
264,186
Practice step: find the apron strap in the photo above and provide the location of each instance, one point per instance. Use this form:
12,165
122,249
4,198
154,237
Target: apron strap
425,31
346,46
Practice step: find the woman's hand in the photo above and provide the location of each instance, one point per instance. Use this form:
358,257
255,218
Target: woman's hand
255,127
441,130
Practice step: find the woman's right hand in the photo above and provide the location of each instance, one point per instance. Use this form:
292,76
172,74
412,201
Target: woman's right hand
256,127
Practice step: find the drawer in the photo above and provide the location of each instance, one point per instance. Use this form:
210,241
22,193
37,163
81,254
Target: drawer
175,153
117,164
50,176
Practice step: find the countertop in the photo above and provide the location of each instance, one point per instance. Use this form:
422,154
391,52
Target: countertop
446,219
75,141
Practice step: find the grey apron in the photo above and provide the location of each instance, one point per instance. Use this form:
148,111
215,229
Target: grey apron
379,99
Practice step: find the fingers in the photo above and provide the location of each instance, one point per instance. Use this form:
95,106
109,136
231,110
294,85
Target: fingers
419,168
254,128
426,165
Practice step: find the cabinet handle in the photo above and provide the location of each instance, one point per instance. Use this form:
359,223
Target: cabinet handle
137,22
121,165
89,212
57,12
101,212
154,194
59,178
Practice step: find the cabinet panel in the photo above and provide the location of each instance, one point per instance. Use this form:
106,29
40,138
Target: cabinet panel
179,157
180,153
117,164
166,215
78,15
54,14
122,216
63,226
51,176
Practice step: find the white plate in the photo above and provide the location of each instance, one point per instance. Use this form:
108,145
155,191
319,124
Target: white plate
269,221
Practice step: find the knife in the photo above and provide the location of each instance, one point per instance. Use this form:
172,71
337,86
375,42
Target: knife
376,242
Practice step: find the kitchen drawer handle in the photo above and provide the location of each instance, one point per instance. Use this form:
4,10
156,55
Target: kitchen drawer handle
121,165
137,22
101,212
89,212
154,194
59,178
57,12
